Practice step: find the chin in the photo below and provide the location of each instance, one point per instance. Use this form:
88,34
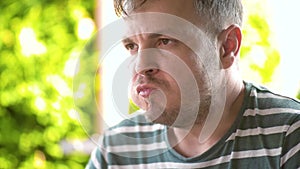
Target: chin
158,120
183,118
162,117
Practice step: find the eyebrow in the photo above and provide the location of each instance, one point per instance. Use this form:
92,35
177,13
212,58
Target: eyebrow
127,40
148,35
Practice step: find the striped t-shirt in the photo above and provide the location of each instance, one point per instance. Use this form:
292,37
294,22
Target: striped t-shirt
265,135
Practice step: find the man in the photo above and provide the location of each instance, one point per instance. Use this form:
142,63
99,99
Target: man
198,112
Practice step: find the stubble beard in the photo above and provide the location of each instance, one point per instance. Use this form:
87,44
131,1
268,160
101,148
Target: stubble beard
176,113
177,118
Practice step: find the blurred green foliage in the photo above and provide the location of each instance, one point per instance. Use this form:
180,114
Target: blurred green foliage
273,57
39,44
259,50
39,41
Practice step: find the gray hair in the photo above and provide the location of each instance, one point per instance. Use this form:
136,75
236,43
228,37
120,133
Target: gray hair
218,14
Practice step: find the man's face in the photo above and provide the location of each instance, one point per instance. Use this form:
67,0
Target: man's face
167,74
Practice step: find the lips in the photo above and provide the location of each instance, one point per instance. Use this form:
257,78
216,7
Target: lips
144,90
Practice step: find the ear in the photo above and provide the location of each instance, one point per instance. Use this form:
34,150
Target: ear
230,43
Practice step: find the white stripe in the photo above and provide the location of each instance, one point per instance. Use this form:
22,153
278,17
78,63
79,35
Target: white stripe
267,95
258,86
132,129
254,112
171,164
166,165
217,161
253,93
258,131
289,154
293,128
136,147
94,159
256,153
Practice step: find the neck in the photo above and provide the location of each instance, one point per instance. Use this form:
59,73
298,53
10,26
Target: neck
187,142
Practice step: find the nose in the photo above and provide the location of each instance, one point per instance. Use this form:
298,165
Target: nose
146,63
149,72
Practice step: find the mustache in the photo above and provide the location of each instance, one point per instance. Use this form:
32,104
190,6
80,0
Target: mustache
151,80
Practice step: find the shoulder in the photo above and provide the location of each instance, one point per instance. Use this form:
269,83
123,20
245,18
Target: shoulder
264,98
137,123
264,103
132,136
130,131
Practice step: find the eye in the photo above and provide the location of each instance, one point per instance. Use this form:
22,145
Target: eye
131,47
165,41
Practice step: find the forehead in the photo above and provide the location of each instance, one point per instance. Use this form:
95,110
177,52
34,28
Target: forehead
154,24
160,23
180,8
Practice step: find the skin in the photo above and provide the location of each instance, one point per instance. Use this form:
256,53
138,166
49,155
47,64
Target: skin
154,90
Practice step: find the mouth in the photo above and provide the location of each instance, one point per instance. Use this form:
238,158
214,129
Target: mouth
144,90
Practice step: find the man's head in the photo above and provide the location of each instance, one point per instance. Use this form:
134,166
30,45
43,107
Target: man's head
205,42
217,14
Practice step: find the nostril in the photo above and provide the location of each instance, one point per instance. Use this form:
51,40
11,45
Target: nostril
151,71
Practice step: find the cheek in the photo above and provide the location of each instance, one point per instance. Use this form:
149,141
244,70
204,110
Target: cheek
132,92
200,74
134,97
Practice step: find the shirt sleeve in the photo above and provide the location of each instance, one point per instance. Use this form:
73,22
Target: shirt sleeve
97,160
291,146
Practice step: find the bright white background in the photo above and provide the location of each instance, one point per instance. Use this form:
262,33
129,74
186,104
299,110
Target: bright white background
287,29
